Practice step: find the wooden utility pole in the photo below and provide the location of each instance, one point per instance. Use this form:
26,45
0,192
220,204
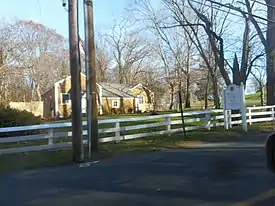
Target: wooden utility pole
182,117
75,82
92,78
270,53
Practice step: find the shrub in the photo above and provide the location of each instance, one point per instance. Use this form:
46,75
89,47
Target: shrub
154,113
114,111
12,117
130,110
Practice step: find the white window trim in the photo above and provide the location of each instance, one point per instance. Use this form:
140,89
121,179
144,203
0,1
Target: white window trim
113,106
143,98
66,103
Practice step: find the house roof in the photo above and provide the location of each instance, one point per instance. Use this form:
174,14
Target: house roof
116,90
109,89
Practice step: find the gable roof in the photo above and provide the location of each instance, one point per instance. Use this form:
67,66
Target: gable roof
116,90
67,78
108,89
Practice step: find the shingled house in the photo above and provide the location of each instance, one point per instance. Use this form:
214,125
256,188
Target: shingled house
112,98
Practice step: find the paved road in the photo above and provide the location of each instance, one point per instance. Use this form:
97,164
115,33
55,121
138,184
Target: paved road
205,176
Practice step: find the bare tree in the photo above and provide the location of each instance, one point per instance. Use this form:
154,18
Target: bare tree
259,78
41,52
168,71
249,54
193,27
267,41
129,51
216,41
103,59
174,46
13,85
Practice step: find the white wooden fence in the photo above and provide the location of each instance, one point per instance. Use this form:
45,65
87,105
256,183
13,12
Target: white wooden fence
58,135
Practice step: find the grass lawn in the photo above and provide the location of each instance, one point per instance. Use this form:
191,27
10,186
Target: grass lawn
47,158
52,158
251,100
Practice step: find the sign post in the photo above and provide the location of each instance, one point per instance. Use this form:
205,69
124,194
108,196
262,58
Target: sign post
234,99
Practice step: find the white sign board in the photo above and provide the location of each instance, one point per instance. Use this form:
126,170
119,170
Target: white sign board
232,97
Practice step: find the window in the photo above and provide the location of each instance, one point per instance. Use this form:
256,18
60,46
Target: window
115,104
66,98
141,99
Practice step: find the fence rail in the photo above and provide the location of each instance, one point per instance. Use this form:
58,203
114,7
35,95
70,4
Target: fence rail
58,135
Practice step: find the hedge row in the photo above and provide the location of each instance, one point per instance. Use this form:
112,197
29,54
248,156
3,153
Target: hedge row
12,117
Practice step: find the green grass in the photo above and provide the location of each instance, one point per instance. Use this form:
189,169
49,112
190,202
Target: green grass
251,100
48,158
137,146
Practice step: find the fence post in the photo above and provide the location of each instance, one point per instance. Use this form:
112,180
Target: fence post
229,116
117,131
225,119
208,122
272,113
50,133
249,116
168,125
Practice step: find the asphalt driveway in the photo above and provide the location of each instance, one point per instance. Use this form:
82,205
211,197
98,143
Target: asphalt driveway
216,175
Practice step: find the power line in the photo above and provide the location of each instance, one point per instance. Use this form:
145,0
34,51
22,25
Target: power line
230,6
203,4
219,9
265,4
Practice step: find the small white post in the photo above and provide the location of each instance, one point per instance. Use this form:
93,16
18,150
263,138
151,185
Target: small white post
168,125
249,116
243,108
272,113
225,114
117,131
208,121
50,133
229,117
225,119
100,101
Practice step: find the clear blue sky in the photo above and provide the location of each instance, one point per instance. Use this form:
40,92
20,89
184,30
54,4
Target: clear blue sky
52,14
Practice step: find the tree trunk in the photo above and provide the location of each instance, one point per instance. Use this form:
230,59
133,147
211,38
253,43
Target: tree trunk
262,94
6,91
120,73
187,96
216,94
245,51
215,91
206,91
38,93
172,96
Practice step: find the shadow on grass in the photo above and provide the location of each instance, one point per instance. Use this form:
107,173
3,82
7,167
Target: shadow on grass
35,159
